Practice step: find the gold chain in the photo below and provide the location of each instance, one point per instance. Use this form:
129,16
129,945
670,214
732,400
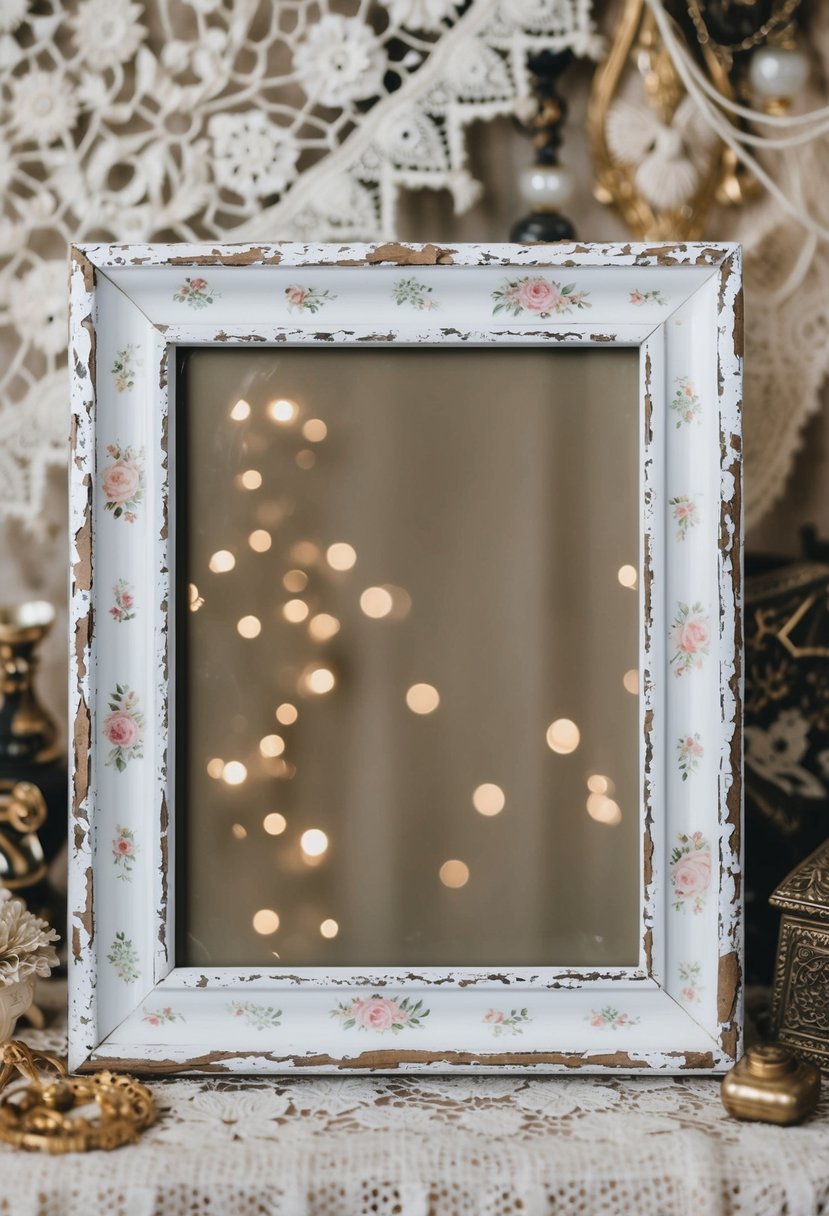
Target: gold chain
779,18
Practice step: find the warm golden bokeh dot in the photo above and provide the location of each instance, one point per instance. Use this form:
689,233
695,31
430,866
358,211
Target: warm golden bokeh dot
295,580
194,599
319,680
234,772
304,553
454,873
215,768
314,430
597,784
295,611
422,698
604,810
240,411
376,602
329,928
251,479
272,745
341,555
305,459
631,681
249,627
239,831
323,626
563,736
266,921
274,823
313,842
222,561
260,541
488,799
282,410
286,713
627,576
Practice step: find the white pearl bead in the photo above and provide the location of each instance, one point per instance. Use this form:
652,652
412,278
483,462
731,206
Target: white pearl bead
778,73
545,187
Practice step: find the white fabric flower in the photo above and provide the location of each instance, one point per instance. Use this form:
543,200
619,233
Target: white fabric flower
107,32
25,942
252,155
39,305
341,60
12,13
421,14
776,753
211,1117
42,106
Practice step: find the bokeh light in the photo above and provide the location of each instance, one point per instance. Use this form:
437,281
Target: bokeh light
422,698
563,736
376,602
240,411
266,921
313,842
274,823
454,873
323,626
234,772
260,540
295,611
627,576
272,745
488,799
286,713
222,561
249,627
341,556
329,928
314,430
282,410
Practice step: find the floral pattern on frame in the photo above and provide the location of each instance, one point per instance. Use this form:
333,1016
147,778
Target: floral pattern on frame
506,1023
690,871
690,753
307,299
608,1016
197,293
539,296
415,294
690,638
123,609
685,403
124,850
380,1013
262,1017
638,298
124,728
123,369
685,514
122,482
689,974
158,1017
124,958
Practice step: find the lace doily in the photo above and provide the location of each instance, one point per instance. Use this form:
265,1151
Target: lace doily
194,119
389,1146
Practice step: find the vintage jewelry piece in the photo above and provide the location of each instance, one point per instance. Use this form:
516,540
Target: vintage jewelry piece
800,997
40,1115
546,185
771,1085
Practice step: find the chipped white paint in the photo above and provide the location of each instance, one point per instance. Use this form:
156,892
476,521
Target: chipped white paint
122,957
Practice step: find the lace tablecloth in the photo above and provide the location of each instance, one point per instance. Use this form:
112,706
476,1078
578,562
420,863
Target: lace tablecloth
389,1146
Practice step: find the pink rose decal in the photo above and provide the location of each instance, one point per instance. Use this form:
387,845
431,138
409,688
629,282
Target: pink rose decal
689,974
691,871
494,1016
124,601
307,299
124,727
685,513
380,1014
613,1018
539,296
195,292
157,1017
690,638
124,850
690,753
122,482
506,1023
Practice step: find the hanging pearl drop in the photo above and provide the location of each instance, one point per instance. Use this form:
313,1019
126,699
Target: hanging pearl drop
778,73
545,187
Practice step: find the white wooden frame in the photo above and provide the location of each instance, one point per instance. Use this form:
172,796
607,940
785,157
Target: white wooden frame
680,1007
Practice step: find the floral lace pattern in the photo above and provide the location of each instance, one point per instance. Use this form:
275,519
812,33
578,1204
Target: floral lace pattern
274,146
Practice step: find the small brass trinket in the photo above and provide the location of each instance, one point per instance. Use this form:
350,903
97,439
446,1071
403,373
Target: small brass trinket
770,1084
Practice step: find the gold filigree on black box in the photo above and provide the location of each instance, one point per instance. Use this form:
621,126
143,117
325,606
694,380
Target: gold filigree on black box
800,999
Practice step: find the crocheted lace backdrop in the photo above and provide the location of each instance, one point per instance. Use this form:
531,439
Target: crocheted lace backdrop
194,119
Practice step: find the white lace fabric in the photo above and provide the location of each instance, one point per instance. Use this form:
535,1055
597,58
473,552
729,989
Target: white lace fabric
434,1146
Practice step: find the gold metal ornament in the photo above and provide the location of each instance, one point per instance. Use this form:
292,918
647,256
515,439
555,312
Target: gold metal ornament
42,1115
800,997
771,1085
710,169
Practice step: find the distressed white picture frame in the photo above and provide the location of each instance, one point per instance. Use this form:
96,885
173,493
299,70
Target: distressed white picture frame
680,1007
